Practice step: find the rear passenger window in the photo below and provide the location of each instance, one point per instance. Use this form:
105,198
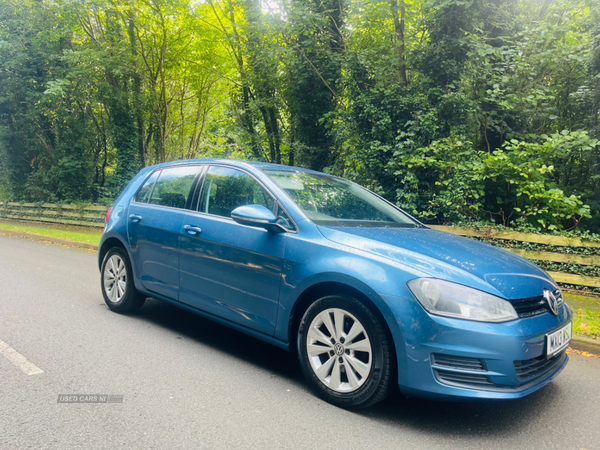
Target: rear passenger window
144,193
173,187
225,189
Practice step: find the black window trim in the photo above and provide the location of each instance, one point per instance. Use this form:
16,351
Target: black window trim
199,182
240,169
160,169
134,198
159,173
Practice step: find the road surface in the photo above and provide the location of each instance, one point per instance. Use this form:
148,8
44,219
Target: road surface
189,383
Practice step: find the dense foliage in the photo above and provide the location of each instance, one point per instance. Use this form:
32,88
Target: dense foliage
484,110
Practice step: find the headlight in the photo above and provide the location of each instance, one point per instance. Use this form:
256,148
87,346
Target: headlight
453,300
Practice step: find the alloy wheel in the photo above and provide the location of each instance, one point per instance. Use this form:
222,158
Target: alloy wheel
115,278
339,350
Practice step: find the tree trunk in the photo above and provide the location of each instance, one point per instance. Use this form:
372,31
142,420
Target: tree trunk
399,21
137,89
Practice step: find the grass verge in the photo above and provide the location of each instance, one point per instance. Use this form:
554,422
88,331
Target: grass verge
586,314
586,322
76,234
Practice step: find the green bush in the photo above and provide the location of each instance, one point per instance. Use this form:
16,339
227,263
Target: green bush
449,181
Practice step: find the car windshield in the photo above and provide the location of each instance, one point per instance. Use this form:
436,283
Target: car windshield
335,202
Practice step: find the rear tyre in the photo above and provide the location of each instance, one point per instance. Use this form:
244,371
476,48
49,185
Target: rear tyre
116,279
345,352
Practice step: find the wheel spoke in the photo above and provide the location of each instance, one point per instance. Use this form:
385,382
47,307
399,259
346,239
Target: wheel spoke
324,369
338,316
316,350
317,335
352,378
335,381
358,365
120,268
112,294
326,318
361,346
121,285
355,330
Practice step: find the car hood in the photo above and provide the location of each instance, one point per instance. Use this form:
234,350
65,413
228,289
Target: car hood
446,256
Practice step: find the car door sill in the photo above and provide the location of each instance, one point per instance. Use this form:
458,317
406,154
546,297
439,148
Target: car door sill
257,334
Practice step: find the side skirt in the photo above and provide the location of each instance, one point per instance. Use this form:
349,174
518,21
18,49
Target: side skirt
257,334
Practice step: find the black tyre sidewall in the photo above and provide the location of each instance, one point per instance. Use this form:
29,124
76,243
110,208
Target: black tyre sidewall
371,389
131,300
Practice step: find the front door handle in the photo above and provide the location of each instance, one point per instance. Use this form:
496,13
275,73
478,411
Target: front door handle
192,229
135,217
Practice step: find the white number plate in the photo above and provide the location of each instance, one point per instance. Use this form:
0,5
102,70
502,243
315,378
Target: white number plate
558,340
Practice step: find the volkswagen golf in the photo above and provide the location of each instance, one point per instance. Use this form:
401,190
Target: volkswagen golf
367,297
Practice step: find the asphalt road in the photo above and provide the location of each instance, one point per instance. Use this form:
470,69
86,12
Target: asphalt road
189,383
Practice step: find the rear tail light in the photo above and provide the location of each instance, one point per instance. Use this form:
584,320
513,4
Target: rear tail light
107,214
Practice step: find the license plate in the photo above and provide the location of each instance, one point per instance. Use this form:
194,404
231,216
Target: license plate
557,341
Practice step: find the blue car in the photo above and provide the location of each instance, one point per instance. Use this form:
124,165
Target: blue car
366,296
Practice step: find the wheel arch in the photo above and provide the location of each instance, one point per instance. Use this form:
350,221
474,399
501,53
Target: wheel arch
116,240
106,245
323,288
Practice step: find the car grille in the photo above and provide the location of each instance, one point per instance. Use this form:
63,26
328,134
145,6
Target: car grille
534,306
457,362
531,368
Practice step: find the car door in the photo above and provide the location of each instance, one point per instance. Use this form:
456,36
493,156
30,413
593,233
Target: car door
228,269
154,225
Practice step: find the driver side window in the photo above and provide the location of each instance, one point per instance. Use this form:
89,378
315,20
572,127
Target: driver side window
225,189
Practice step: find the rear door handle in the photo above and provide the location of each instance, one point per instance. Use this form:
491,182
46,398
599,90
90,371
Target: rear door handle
192,229
135,217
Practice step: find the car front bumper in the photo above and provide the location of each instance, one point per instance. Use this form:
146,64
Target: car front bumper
455,359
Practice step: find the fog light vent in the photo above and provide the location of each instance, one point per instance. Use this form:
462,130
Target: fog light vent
457,362
467,380
534,367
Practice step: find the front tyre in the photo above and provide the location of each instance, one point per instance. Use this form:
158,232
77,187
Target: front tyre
345,352
118,289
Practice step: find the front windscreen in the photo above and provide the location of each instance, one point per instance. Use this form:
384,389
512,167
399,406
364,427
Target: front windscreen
335,202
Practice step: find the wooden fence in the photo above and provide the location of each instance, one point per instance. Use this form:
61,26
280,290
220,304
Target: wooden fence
88,216
93,216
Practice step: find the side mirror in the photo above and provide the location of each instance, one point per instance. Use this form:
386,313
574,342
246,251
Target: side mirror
257,216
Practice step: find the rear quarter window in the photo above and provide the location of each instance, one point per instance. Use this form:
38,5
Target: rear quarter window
172,189
144,193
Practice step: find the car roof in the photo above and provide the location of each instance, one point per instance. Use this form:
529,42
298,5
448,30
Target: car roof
238,163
